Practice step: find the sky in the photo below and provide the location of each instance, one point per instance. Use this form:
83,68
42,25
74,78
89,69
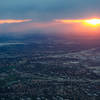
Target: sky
41,15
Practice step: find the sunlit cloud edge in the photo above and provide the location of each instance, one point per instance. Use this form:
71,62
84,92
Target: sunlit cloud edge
10,21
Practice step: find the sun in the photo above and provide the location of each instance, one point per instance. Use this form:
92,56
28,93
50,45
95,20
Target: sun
93,21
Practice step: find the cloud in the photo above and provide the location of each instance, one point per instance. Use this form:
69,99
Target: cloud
66,21
10,21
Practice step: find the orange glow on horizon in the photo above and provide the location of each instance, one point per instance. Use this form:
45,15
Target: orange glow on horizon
93,21
80,26
9,21
89,27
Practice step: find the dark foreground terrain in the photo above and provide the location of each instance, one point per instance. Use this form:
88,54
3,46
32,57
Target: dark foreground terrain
49,68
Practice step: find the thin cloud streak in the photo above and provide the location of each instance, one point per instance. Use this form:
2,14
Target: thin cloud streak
65,21
69,21
10,21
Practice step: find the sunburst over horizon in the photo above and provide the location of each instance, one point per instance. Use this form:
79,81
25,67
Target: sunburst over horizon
91,21
94,21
